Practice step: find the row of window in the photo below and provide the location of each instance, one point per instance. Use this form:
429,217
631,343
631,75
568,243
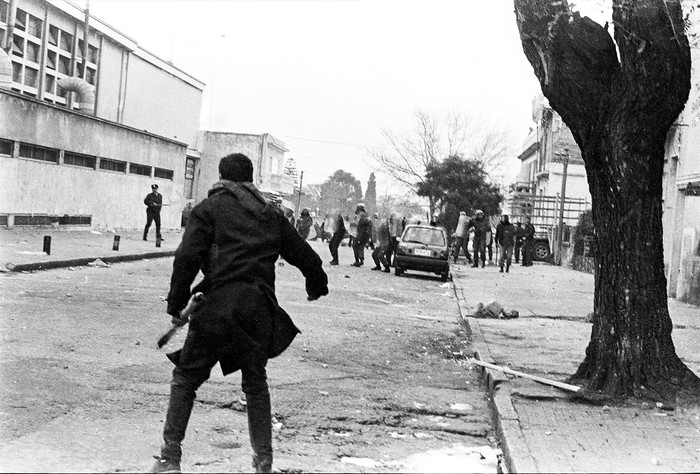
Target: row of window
51,155
62,58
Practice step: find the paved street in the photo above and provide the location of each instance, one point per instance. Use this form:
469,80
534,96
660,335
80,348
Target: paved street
376,382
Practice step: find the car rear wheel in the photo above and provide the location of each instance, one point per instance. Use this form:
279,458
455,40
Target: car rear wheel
398,271
444,276
540,251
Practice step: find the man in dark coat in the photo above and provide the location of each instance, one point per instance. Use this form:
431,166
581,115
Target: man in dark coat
481,226
519,240
235,237
505,238
529,231
153,202
304,224
337,237
364,233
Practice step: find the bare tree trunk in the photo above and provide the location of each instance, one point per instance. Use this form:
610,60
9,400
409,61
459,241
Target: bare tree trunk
619,112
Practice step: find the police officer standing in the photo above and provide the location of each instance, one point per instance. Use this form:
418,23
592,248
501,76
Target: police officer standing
153,202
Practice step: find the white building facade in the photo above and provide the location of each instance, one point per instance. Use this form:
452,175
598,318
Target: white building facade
85,131
265,151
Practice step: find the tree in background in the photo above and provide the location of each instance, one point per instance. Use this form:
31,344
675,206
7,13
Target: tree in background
403,205
371,195
406,157
311,198
341,192
619,96
455,185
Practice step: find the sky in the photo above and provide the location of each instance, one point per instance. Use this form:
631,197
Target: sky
327,76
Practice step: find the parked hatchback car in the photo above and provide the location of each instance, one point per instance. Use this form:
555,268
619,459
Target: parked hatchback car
422,248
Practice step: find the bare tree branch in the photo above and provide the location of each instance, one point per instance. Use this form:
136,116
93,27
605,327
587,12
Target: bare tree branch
405,157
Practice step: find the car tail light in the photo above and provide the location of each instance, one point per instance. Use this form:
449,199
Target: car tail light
402,249
443,254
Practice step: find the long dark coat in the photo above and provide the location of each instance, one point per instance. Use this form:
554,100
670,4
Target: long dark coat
235,237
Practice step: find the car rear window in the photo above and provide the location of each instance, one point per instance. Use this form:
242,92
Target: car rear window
425,236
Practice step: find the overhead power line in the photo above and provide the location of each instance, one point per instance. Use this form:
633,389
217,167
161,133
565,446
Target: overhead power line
330,142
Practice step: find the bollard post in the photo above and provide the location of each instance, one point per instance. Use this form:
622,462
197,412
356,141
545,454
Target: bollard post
47,244
115,245
158,241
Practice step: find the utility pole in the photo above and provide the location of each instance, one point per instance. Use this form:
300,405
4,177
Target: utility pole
301,181
562,199
86,37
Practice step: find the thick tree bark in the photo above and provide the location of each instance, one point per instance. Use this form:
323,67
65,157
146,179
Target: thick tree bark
619,111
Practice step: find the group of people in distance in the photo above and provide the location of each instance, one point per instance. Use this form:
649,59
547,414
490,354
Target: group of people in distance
381,236
511,239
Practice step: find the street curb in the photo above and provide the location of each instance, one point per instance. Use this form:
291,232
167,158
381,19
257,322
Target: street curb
79,262
515,451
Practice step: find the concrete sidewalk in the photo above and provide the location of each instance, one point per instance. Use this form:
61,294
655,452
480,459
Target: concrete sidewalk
541,430
21,249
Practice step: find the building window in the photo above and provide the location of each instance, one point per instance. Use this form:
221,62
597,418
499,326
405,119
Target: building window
17,45
16,72
30,76
4,11
32,52
66,41
91,52
163,173
53,35
64,65
112,165
143,170
90,76
76,159
38,153
20,19
5,147
51,60
34,26
28,23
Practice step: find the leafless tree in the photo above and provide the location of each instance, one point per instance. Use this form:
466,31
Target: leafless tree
406,156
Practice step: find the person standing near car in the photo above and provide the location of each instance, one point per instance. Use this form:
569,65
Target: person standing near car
364,233
481,226
529,231
381,246
395,230
234,237
462,237
505,238
519,240
337,237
